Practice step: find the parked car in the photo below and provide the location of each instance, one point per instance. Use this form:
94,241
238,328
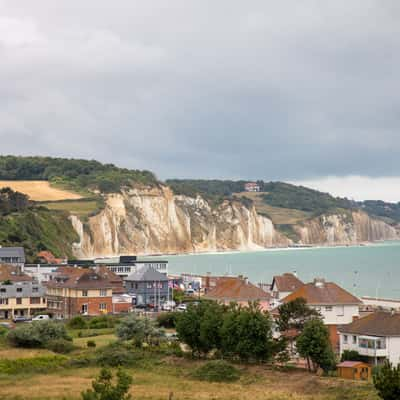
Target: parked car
7,325
41,317
18,319
182,307
168,306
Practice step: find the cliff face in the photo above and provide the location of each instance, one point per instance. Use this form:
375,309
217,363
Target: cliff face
350,228
150,221
156,221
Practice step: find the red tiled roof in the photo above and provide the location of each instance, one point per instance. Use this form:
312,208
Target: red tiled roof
236,289
79,278
324,293
287,282
380,323
13,274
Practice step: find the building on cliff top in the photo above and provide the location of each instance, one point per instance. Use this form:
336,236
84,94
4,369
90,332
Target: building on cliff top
251,187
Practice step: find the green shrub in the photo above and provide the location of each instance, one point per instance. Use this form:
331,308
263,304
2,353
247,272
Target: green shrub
61,346
37,334
116,355
104,321
167,320
77,322
91,343
29,365
3,331
217,371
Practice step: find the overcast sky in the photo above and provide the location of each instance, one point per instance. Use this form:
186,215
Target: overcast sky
276,90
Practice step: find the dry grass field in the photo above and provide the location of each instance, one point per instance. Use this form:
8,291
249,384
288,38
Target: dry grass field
157,378
79,208
40,190
278,215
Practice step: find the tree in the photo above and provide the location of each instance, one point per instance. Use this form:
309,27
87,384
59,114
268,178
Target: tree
353,355
294,314
103,388
246,333
314,345
199,327
387,382
139,329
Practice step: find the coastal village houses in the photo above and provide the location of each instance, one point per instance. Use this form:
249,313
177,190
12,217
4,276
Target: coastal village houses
376,336
239,290
336,305
86,291
148,286
19,294
12,255
283,285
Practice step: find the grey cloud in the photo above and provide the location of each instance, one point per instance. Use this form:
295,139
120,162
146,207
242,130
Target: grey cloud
273,90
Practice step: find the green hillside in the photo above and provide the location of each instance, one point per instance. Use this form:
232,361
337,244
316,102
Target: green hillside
22,223
79,175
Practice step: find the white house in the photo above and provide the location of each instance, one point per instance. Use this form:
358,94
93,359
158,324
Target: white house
376,336
336,305
283,285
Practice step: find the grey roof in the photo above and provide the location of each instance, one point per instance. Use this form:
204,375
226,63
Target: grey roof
6,252
8,291
146,274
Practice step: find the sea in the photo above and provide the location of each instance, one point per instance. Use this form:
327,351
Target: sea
368,270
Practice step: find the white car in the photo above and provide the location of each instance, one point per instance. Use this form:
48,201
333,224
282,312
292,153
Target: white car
168,306
182,307
41,317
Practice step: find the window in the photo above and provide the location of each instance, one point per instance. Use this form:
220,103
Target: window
328,308
19,300
103,292
149,285
345,338
3,290
19,289
354,339
340,311
35,289
103,307
84,293
35,300
3,301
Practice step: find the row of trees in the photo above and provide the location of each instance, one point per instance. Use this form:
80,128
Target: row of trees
11,201
79,174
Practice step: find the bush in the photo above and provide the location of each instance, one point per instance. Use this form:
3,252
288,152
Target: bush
77,322
29,365
61,346
167,320
217,371
37,334
117,355
91,343
353,355
102,322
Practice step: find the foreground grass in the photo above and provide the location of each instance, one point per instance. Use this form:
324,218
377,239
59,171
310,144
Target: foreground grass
157,376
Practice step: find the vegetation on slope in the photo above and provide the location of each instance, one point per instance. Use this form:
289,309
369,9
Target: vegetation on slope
390,212
73,173
36,228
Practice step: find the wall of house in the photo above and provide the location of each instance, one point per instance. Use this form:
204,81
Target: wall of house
338,315
15,309
393,346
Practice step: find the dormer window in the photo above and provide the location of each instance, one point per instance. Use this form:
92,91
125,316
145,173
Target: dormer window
84,293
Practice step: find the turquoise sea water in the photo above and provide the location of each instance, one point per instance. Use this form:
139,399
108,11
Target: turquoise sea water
372,270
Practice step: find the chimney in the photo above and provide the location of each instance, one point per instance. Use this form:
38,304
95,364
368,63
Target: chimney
319,282
246,280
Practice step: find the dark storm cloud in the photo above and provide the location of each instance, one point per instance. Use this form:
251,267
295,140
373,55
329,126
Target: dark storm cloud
275,90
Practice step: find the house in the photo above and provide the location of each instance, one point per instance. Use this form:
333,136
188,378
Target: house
148,286
48,257
283,285
336,305
12,255
239,290
19,294
355,370
251,187
376,336
73,290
